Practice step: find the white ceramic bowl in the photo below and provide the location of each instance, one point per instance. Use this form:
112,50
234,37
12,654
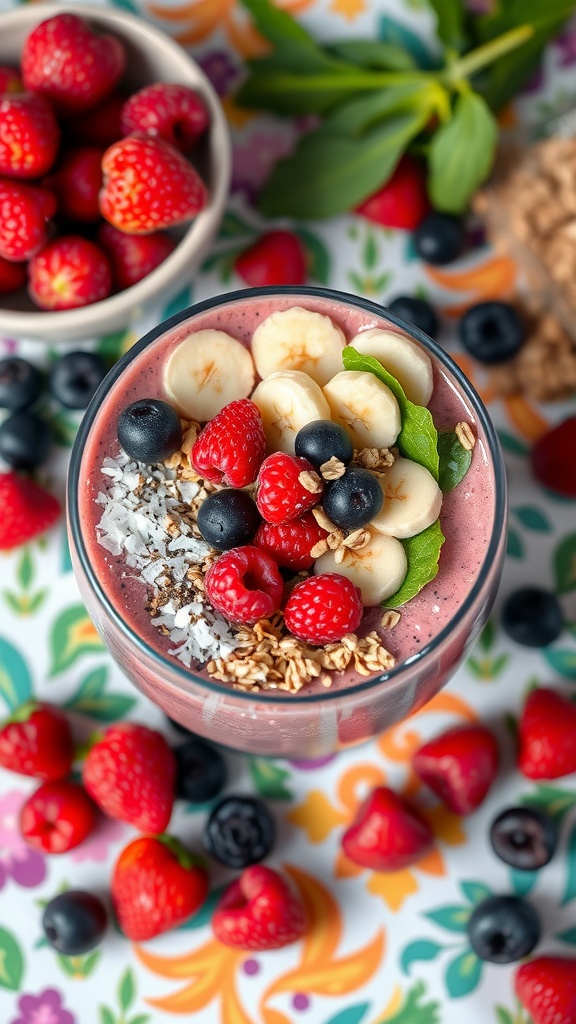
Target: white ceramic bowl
152,57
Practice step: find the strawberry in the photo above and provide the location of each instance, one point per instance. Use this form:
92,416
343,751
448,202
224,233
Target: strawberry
388,834
99,126
288,486
36,740
25,212
69,272
290,544
459,766
57,817
130,774
10,80
64,60
324,608
551,458
149,185
546,987
546,736
231,448
277,257
13,276
133,257
403,201
259,911
156,885
167,110
29,135
76,183
26,510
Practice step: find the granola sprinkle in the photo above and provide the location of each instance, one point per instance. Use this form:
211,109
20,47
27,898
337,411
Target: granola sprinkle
376,459
465,435
333,469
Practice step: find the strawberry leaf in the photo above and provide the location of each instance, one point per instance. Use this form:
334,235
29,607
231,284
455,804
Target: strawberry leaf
423,554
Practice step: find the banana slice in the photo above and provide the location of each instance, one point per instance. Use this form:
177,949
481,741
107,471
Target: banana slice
403,358
288,401
378,569
205,372
412,500
365,407
298,339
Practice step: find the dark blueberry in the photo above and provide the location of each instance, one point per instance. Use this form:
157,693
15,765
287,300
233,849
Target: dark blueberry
179,728
492,332
533,617
149,430
320,440
417,312
503,929
75,377
240,831
24,440
228,519
20,383
74,922
524,837
200,771
354,499
440,238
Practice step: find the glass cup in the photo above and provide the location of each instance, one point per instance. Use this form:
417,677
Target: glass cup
275,723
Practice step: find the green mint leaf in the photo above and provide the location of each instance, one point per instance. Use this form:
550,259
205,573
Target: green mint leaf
461,153
357,115
423,553
276,25
370,53
449,18
454,461
501,82
418,439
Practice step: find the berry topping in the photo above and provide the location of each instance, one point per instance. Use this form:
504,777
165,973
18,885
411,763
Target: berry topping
322,440
57,817
492,332
245,585
552,459
75,377
524,837
24,440
69,272
76,183
290,544
533,617
323,609
133,257
546,736
287,487
546,987
25,211
149,430
388,834
27,511
259,911
417,312
74,922
200,771
13,276
460,766
37,741
403,201
240,831
228,519
99,126
276,258
29,137
20,383
231,447
439,239
354,499
172,112
503,929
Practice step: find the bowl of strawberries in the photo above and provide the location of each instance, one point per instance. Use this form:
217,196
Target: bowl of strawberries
115,165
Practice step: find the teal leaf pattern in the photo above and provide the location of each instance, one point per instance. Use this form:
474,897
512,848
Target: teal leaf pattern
523,881
72,636
512,444
463,974
269,779
453,919
126,990
15,681
92,699
514,545
568,936
421,949
11,961
563,661
204,915
565,565
351,1015
475,892
178,302
532,518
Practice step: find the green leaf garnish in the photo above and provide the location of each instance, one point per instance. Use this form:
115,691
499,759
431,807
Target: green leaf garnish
461,153
423,554
373,53
454,459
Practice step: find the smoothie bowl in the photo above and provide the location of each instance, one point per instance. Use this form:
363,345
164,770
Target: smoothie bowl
303,529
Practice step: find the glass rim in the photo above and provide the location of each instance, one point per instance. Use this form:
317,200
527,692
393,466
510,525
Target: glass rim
395,677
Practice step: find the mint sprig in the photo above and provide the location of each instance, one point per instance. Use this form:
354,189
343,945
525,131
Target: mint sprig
423,555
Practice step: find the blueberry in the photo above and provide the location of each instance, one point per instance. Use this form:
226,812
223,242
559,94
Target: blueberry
228,519
492,332
75,377
320,440
354,499
503,929
532,617
74,922
524,837
240,831
200,771
20,383
417,312
440,238
149,430
24,440
179,728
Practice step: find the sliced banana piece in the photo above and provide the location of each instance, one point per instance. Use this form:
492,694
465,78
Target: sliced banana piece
365,407
403,358
205,372
287,401
412,500
298,339
378,569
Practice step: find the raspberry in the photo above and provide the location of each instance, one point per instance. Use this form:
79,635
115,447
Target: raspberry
12,276
232,446
289,544
284,492
29,135
25,211
172,112
245,585
323,608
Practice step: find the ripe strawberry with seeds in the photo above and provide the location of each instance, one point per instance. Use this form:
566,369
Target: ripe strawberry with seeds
133,257
10,79
13,276
57,817
278,257
546,736
76,183
546,987
26,510
29,135
288,486
36,740
290,544
170,111
245,585
231,447
403,201
69,272
388,834
460,766
259,911
25,213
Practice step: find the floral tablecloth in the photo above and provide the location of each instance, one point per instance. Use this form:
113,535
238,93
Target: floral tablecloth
381,947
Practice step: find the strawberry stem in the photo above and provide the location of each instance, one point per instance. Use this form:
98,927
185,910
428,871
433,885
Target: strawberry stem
185,857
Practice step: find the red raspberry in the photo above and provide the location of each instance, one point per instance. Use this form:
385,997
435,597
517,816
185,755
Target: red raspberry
283,491
289,544
245,585
57,817
403,201
69,272
172,112
99,126
10,80
232,446
66,61
29,135
323,608
24,214
76,183
277,257
133,257
13,276
149,185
